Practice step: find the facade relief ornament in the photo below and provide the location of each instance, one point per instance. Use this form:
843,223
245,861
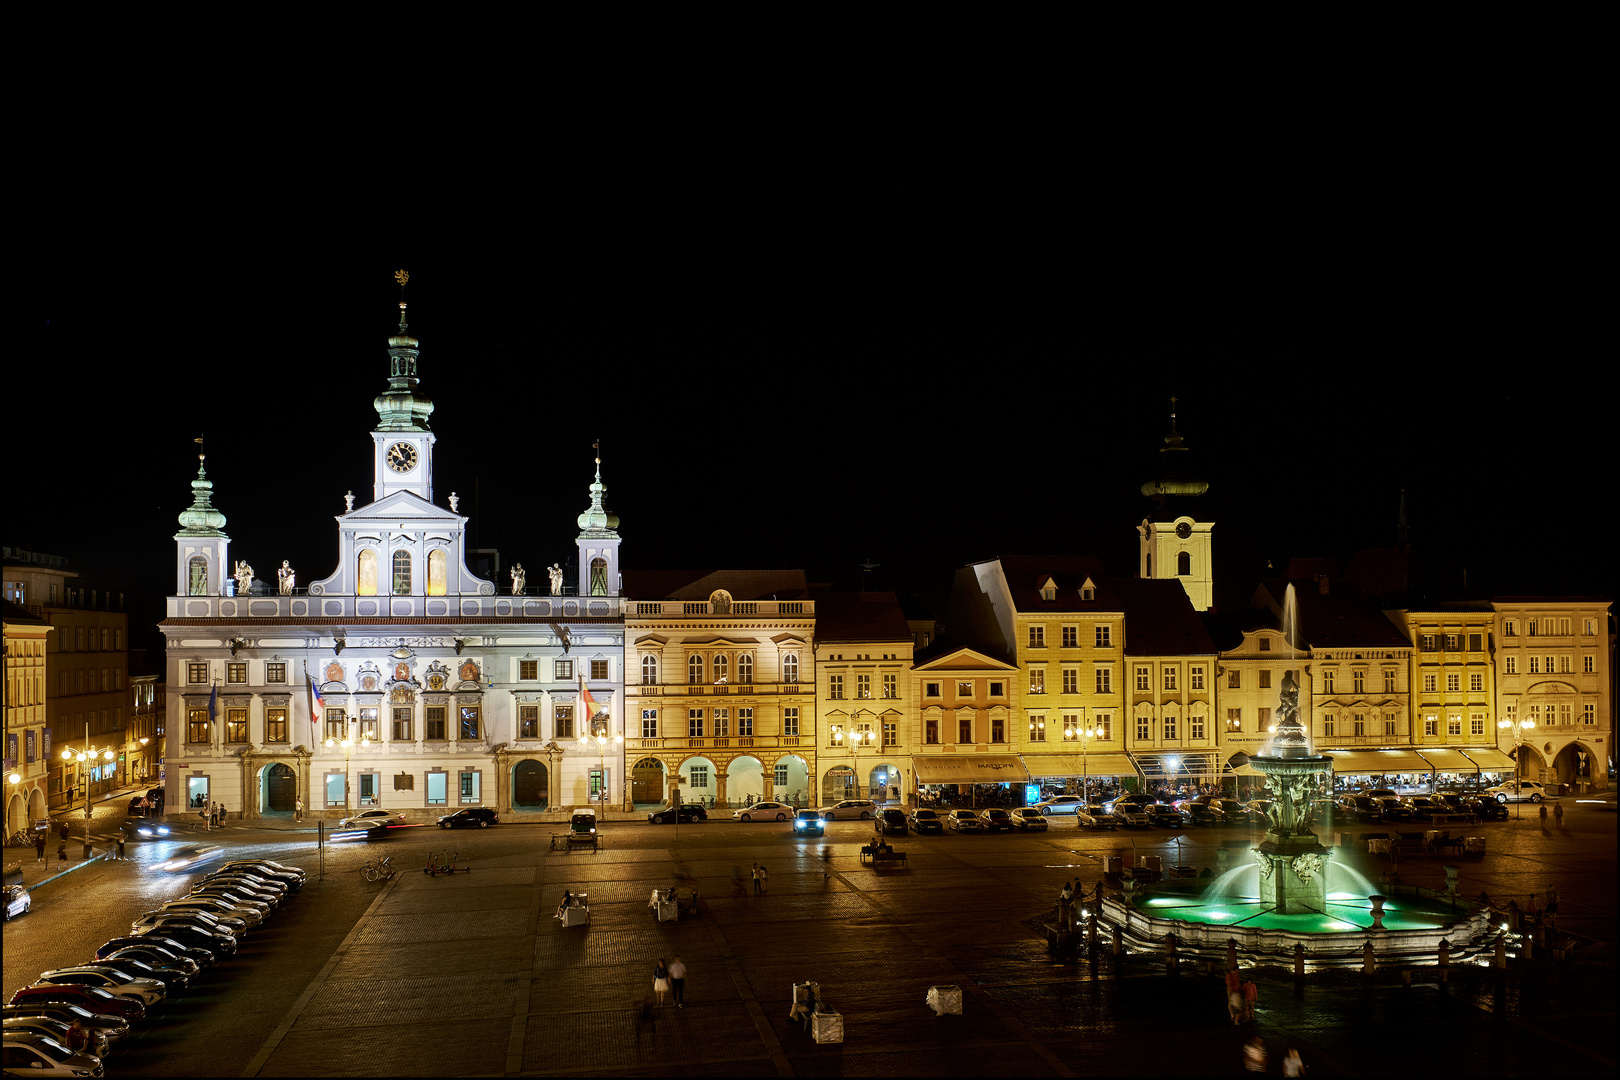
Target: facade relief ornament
1307,866
438,676
334,672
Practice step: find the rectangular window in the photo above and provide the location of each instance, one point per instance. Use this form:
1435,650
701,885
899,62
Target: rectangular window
1589,713
1104,636
1234,681
1389,682
404,719
1169,678
1510,665
597,782
1535,665
1105,680
562,722
890,734
964,690
1196,675
1234,720
528,670
1431,725
964,730
835,686
469,787
1263,716
197,726
1265,678
1037,728
562,669
649,723
469,722
699,777
1451,642
1195,728
599,670
1071,637
337,724
1071,680
931,690
997,690
863,686
790,721
891,687
1143,729
1105,725
236,672
275,725
1453,682
1169,728
1454,725
1510,628
1358,682
1389,723
368,724
435,716
998,730
1476,723
1143,679
1327,682
528,721
1037,680
1327,726
1359,724
1531,628
337,789
1037,637
694,723
236,725
722,723
1588,665
745,668
1475,643
1566,714
931,731
438,783
197,672
781,776
275,673
745,722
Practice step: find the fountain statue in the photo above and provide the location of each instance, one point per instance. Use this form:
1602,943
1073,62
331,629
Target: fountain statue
1291,860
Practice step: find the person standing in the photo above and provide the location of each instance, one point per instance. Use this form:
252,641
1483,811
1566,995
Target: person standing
1065,908
298,810
1552,905
661,980
39,844
677,982
756,878
1292,1066
1251,994
203,813
61,854
1558,814
764,877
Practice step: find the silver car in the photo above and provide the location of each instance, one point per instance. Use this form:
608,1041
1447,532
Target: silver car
1060,804
848,810
964,821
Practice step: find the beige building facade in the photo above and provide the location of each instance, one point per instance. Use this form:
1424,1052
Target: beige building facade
1553,657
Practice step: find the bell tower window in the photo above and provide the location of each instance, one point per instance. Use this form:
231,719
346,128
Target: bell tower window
438,562
1184,564
599,585
198,576
402,573
367,583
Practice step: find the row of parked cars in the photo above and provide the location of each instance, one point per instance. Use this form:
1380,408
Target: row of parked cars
68,1020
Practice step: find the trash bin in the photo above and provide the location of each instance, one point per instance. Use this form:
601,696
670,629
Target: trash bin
1113,864
827,1027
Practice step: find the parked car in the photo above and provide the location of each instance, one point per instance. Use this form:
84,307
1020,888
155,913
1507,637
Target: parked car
258,882
1095,816
1487,808
689,812
473,817
237,920
849,810
216,943
33,1053
251,912
925,820
1201,813
1232,811
158,959
269,894
1130,810
166,921
764,811
996,820
96,1043
190,856
891,820
147,991
109,1027
809,823
19,901
1394,807
1524,790
964,821
291,876
164,947
90,998
1060,804
1424,807
1165,816
1029,819
171,978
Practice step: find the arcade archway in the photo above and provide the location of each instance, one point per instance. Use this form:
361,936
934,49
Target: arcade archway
531,785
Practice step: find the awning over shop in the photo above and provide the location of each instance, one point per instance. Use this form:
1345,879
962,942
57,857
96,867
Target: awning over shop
1377,761
1447,760
977,769
1183,765
1079,765
1489,757
1247,770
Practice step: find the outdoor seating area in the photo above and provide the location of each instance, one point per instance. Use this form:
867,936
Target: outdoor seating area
824,1023
880,855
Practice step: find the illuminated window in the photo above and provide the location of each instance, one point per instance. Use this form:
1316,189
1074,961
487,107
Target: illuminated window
337,724
275,673
236,725
1037,728
196,672
368,724
1037,680
1234,681
599,582
275,725
790,668
1454,725
438,574
528,721
1431,725
1234,720
722,667
197,726
694,669
198,576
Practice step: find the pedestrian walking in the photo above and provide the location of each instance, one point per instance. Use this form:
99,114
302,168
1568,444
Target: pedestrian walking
1251,994
39,844
756,877
121,854
1292,1066
1234,1006
677,982
62,832
61,854
1254,1055
764,877
1552,905
1558,814
298,810
661,980
1543,815
203,813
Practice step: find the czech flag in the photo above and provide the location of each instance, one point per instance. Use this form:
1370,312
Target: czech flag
317,704
585,696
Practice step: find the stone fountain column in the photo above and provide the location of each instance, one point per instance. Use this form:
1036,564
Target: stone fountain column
1293,862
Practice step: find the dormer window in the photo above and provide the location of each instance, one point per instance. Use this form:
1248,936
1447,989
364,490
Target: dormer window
1048,590
1088,590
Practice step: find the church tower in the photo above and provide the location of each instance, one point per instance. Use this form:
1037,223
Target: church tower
202,565
402,459
598,543
1172,541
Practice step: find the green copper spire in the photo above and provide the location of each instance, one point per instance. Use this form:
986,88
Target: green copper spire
401,407
597,521
201,519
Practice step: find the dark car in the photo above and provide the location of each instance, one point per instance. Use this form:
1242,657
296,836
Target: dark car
91,998
221,945
1482,807
890,821
150,828
925,820
158,959
1394,808
1164,816
997,820
1202,813
162,944
104,1024
1424,807
290,876
1365,808
809,823
689,812
473,817
172,978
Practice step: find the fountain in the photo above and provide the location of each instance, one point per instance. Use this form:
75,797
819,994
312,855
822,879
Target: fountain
1289,911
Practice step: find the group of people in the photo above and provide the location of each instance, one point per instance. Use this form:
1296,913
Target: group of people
211,814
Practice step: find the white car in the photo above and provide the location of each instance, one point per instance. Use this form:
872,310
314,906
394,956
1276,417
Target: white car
147,991
964,821
1060,804
764,811
19,901
249,913
368,818
1524,790
848,810
32,1054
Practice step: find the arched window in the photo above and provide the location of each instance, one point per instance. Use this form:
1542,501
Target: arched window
649,670
197,576
790,668
721,667
438,564
745,668
1184,564
599,586
402,573
367,583
694,669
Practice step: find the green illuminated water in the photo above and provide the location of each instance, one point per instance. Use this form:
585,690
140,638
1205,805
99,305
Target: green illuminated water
1344,913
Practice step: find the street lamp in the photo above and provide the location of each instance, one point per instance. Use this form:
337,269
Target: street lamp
1518,727
856,738
83,758
601,739
1088,733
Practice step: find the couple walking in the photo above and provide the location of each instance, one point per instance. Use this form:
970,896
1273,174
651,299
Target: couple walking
670,979
760,877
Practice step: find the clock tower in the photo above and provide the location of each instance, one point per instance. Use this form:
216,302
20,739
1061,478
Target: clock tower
403,451
1172,541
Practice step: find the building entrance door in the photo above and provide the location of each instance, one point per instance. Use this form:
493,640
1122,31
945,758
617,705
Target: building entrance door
280,788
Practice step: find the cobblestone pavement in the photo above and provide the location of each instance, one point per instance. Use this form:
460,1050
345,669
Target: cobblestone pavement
472,974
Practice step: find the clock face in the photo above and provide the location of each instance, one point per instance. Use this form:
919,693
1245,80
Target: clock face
402,457
1184,530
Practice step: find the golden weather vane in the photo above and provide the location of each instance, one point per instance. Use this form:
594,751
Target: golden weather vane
402,276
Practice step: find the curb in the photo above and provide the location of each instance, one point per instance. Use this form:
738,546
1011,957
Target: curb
69,870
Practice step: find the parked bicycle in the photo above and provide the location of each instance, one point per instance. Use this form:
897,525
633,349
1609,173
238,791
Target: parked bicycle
379,869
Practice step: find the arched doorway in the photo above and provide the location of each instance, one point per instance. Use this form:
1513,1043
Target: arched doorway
745,777
16,815
647,786
839,783
530,785
790,781
701,782
280,789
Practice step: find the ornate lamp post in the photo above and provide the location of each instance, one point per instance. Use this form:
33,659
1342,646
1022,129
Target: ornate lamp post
1518,727
856,738
1087,733
83,758
601,740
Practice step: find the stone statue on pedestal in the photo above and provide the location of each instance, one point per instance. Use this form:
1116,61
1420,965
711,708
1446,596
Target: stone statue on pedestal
244,577
287,578
556,579
520,579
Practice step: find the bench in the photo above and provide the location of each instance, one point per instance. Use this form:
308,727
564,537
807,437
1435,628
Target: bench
879,856
569,840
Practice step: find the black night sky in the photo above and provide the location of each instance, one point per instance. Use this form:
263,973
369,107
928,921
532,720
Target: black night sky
913,384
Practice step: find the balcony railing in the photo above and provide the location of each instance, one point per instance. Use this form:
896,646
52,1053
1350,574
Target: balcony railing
299,606
689,608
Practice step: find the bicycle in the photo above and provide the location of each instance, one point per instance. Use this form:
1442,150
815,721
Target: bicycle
378,870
